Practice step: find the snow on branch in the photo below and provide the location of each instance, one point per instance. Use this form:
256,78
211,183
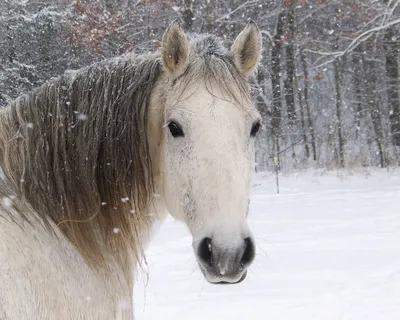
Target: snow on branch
359,39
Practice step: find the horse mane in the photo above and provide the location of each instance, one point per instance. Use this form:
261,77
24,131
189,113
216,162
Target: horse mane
76,149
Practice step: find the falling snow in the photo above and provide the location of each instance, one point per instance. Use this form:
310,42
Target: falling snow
7,202
82,117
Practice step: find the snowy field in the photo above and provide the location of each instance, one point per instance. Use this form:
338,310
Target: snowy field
328,247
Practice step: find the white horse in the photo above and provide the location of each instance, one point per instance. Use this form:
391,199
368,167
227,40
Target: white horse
94,157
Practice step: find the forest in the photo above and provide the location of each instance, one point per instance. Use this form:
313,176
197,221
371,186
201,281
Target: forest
327,87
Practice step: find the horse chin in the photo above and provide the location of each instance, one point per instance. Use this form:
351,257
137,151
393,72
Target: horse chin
227,282
220,279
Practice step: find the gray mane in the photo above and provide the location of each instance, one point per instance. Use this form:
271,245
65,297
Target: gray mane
77,145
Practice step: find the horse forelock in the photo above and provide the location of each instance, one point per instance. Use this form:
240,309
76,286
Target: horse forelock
212,63
76,149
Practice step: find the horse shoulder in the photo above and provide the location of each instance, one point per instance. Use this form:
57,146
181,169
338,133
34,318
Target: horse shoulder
37,268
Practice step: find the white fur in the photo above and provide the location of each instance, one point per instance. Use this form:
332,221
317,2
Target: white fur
43,277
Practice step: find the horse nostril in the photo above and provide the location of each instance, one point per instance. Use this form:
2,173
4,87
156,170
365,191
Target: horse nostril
249,252
205,251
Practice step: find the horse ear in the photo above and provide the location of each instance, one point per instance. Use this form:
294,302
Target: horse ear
246,50
175,50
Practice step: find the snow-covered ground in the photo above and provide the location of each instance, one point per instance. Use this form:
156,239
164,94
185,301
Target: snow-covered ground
328,248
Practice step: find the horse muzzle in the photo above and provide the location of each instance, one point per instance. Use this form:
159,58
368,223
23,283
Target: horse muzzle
224,265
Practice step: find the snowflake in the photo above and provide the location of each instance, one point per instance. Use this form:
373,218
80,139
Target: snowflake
82,117
7,202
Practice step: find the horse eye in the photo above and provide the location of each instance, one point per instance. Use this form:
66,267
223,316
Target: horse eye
175,129
255,128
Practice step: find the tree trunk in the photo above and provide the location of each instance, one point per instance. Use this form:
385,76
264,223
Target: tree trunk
338,95
307,104
276,112
393,83
290,68
289,81
261,100
372,100
303,126
357,81
10,45
187,15
210,14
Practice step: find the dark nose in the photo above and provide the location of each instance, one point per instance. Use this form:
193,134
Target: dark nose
249,252
222,261
205,252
